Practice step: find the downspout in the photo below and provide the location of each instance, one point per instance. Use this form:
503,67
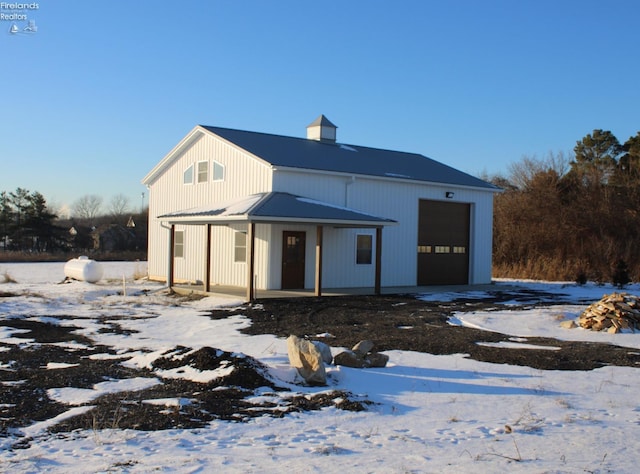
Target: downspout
346,190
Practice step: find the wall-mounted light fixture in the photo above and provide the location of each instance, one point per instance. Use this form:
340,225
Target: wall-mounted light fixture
449,194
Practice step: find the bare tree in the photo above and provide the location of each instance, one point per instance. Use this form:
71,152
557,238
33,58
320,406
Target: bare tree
119,205
522,173
87,207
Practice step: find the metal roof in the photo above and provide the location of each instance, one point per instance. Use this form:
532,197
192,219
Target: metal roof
302,153
322,121
276,207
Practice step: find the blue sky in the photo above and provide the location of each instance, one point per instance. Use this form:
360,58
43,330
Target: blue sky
104,89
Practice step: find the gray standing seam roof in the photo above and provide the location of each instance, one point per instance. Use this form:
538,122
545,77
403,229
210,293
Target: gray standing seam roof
276,206
322,121
303,153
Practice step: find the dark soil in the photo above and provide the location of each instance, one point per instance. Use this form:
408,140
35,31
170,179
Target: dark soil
392,322
25,379
404,323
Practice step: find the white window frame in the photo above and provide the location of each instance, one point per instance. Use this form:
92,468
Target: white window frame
178,244
202,175
217,166
188,172
238,246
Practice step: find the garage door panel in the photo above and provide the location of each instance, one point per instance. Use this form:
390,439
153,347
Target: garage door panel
443,243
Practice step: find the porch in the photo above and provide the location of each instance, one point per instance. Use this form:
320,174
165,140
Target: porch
270,209
241,292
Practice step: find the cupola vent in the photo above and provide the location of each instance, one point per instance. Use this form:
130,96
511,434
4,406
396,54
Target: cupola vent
321,129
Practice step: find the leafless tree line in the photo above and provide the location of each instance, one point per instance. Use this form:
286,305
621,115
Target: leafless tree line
571,217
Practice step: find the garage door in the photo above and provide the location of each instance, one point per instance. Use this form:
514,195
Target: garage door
443,243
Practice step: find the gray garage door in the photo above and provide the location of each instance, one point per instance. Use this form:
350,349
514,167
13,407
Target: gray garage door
443,243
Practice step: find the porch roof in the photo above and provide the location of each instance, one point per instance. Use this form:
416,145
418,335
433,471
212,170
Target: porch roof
275,207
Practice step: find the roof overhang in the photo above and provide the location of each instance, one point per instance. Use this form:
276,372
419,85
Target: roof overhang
390,178
276,207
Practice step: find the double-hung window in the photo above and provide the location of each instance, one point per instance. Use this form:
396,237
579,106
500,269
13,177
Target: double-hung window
203,171
178,244
240,247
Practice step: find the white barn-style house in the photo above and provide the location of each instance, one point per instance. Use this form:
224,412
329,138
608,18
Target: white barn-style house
232,208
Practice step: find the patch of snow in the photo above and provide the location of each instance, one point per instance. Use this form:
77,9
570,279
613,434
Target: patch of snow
517,345
195,375
168,402
59,365
81,396
347,147
433,413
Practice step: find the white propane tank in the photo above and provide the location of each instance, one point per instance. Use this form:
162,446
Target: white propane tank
83,269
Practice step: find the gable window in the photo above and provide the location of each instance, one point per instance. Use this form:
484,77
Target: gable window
218,171
178,244
364,249
187,177
203,171
240,247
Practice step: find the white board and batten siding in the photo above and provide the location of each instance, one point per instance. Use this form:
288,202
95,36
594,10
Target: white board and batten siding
397,200
391,197
243,175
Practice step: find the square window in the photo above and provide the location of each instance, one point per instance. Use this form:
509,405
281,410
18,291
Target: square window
364,249
240,247
203,171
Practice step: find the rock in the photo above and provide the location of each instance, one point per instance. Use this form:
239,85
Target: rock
350,359
569,324
363,347
359,361
325,350
375,359
307,359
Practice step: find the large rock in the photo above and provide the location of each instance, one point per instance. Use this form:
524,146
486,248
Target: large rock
361,356
350,359
325,350
363,347
375,359
307,359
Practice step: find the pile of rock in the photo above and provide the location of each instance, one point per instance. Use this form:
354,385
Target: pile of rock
310,357
612,313
361,356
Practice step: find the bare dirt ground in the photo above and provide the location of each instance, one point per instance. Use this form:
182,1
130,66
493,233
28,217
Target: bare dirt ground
404,323
392,322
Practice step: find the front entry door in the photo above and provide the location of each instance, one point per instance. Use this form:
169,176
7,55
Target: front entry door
293,250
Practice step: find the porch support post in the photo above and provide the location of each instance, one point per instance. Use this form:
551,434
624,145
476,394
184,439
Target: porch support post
207,270
378,260
251,230
172,253
319,260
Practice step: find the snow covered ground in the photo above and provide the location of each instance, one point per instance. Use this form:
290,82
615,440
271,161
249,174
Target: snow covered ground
431,413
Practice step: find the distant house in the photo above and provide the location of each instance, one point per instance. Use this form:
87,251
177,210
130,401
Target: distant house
260,211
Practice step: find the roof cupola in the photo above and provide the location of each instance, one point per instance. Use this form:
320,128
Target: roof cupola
321,129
